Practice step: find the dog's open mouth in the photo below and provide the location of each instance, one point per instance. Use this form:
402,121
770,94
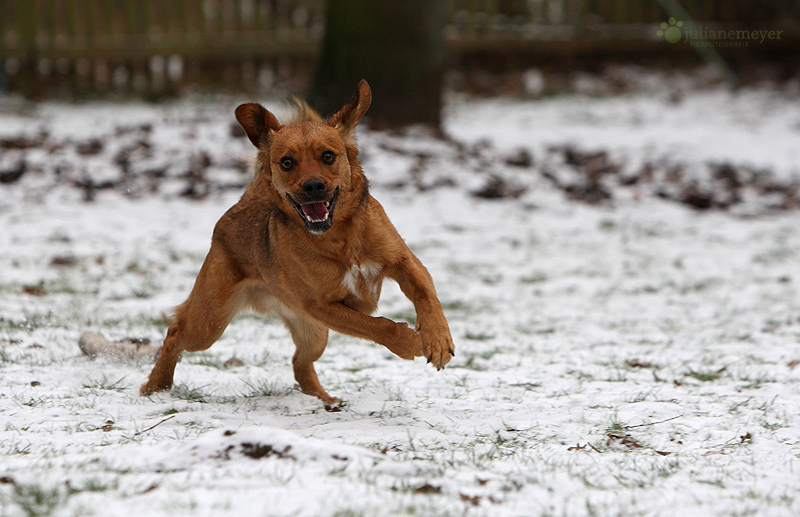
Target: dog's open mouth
318,215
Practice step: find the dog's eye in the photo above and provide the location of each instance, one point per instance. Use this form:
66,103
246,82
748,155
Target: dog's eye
328,157
286,163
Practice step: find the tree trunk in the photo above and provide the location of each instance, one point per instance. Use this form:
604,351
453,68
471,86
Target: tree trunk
397,46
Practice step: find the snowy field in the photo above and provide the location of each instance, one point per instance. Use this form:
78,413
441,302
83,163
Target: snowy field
619,350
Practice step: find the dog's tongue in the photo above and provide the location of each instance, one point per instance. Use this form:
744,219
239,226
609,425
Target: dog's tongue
316,211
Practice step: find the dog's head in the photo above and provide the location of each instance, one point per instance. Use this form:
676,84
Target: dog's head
311,164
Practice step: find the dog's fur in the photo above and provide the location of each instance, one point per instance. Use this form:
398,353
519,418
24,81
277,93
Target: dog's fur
279,251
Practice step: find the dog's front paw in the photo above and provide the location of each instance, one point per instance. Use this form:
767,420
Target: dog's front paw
437,345
148,388
405,342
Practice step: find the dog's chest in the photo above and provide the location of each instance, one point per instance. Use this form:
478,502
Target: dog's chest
362,279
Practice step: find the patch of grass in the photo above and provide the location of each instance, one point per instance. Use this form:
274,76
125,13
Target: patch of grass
184,392
475,362
606,225
668,469
395,394
348,512
735,406
141,294
206,360
457,305
527,385
197,425
431,509
705,376
700,286
617,376
754,383
104,383
63,286
16,448
408,315
478,336
773,426
713,482
81,427
581,375
12,427
616,428
639,397
90,485
263,389
488,448
774,255
35,401
160,321
29,323
103,323
534,278
37,501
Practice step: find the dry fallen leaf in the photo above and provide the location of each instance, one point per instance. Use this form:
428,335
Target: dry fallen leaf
233,362
474,500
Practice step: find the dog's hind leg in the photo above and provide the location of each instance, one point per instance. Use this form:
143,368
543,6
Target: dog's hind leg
199,321
310,339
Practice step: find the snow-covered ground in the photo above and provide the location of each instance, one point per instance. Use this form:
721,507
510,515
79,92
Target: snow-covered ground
629,357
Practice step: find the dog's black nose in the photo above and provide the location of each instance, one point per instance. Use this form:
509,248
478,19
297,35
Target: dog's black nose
314,188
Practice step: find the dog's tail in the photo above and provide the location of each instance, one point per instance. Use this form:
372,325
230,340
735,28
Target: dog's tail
300,111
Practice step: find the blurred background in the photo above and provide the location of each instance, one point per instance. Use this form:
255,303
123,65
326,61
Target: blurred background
687,101
409,50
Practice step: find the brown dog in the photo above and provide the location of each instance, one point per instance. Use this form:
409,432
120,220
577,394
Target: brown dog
308,242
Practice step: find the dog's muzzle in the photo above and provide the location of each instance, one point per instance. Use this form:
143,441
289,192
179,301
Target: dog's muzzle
317,215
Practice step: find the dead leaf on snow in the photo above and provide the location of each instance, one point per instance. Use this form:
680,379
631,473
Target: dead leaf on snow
622,442
474,500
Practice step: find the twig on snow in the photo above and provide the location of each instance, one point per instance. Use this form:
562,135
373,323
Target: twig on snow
154,426
651,423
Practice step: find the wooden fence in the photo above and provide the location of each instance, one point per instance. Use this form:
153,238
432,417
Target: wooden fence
157,47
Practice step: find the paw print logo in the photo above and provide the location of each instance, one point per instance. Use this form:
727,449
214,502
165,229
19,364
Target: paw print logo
671,31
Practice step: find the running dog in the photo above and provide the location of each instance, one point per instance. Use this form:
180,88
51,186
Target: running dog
309,243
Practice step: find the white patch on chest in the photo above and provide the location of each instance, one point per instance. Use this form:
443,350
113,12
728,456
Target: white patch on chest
367,273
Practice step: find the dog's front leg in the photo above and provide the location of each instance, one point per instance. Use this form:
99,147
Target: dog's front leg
399,338
432,328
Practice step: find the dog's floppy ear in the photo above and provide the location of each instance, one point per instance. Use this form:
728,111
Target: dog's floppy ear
351,114
257,122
